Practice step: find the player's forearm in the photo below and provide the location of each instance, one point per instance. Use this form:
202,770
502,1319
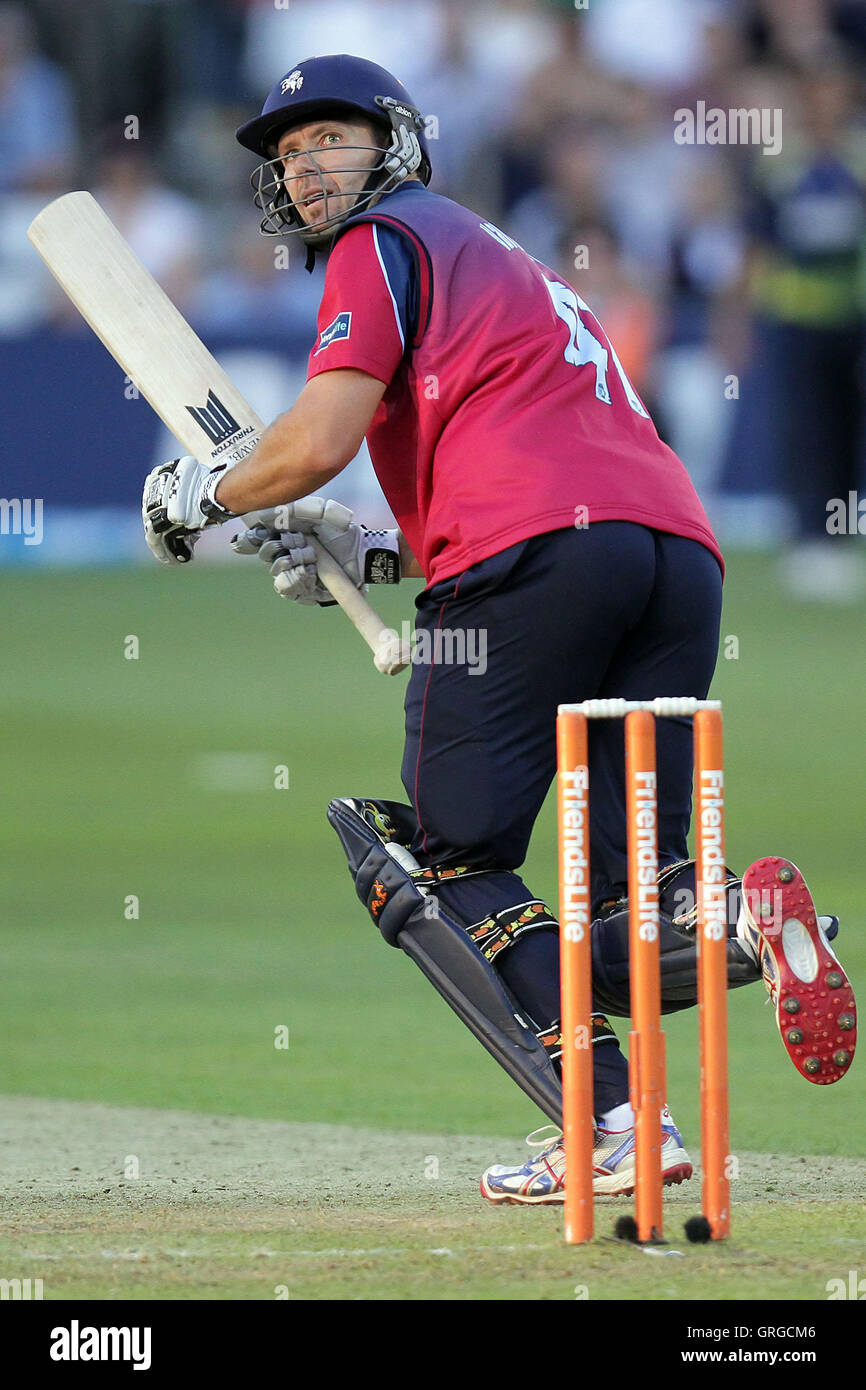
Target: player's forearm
308,446
286,464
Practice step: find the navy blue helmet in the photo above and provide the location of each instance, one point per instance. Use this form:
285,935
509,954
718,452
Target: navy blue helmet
338,86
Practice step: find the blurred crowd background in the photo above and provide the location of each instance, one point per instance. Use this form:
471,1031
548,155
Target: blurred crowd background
731,281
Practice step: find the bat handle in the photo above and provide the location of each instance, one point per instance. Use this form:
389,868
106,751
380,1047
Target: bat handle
390,653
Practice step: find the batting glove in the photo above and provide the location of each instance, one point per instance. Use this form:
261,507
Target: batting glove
281,542
177,504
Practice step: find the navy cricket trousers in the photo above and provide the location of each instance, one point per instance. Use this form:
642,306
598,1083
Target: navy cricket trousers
613,609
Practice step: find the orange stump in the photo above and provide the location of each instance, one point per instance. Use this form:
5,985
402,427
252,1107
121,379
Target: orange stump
575,918
646,1042
712,968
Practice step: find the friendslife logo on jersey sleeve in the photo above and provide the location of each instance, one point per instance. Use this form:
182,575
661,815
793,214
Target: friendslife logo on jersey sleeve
335,332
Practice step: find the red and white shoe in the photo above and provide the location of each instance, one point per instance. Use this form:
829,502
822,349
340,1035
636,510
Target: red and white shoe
810,992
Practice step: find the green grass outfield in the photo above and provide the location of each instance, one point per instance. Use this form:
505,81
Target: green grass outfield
248,921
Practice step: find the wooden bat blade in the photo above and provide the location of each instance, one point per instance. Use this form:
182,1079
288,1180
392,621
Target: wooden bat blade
158,350
143,330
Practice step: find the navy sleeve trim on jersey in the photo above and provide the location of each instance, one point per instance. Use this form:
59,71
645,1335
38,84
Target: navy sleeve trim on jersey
398,267
409,247
408,270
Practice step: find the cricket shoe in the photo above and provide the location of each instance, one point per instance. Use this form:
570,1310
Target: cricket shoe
542,1178
614,1159
810,992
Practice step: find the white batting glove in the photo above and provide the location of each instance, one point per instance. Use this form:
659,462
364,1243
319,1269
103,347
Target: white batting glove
291,561
367,557
177,504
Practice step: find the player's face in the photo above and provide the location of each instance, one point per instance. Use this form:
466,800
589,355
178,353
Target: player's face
323,157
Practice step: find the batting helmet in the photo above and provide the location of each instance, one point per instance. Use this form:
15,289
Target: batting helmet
333,86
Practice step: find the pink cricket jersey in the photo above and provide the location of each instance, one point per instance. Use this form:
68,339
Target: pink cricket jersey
507,412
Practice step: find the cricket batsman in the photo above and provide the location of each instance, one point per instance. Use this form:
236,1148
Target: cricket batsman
555,533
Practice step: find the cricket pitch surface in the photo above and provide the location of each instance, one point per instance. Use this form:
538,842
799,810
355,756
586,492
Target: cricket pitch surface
102,1202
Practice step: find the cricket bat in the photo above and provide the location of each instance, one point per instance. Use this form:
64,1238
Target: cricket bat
171,367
